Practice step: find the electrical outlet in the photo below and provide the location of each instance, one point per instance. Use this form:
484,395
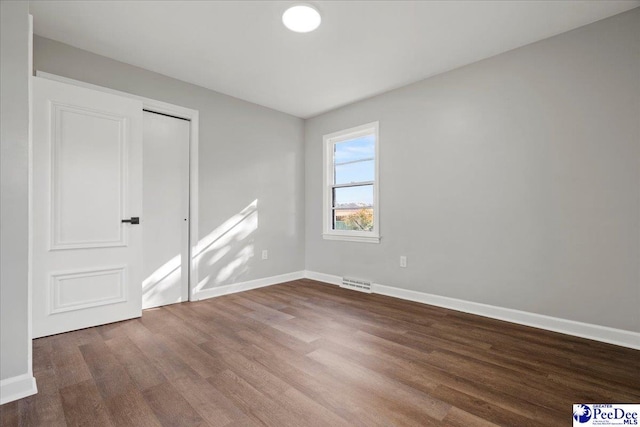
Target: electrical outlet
265,254
403,261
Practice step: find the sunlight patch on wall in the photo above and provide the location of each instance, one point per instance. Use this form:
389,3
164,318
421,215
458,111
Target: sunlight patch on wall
241,260
217,246
161,281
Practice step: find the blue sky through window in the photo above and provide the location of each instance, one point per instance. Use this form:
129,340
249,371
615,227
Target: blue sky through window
354,162
355,149
361,196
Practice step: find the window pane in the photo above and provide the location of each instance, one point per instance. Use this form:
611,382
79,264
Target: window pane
353,208
353,219
353,160
355,172
354,149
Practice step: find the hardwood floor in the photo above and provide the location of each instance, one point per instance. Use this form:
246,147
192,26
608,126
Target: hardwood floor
307,354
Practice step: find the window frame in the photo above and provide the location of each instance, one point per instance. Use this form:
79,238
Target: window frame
329,142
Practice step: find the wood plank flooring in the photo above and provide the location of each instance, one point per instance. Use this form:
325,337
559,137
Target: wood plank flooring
309,354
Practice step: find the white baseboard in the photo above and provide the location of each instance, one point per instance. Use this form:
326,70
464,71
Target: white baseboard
606,334
245,286
321,277
17,387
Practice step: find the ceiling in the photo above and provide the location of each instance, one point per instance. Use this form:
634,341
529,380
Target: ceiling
362,48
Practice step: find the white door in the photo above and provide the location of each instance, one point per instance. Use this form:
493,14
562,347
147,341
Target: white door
87,178
166,207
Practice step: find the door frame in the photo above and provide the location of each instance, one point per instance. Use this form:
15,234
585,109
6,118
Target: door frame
171,110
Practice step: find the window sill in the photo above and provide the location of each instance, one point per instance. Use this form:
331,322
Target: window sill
360,239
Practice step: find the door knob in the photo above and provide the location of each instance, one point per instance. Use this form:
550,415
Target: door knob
133,220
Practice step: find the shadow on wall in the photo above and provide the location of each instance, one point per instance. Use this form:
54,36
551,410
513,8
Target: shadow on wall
228,247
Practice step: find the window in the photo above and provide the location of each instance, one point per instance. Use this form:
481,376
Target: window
351,185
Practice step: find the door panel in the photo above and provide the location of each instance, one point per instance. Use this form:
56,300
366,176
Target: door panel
83,168
78,289
86,177
166,206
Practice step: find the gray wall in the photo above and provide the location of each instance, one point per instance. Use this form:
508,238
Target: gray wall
247,153
14,187
513,181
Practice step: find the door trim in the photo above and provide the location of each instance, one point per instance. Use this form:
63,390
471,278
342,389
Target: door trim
178,112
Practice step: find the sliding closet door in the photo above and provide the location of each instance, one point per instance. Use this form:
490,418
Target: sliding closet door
166,207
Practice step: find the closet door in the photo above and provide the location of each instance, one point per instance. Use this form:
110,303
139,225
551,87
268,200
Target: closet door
166,207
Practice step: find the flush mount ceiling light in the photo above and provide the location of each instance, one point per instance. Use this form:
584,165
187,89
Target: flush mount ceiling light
301,18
